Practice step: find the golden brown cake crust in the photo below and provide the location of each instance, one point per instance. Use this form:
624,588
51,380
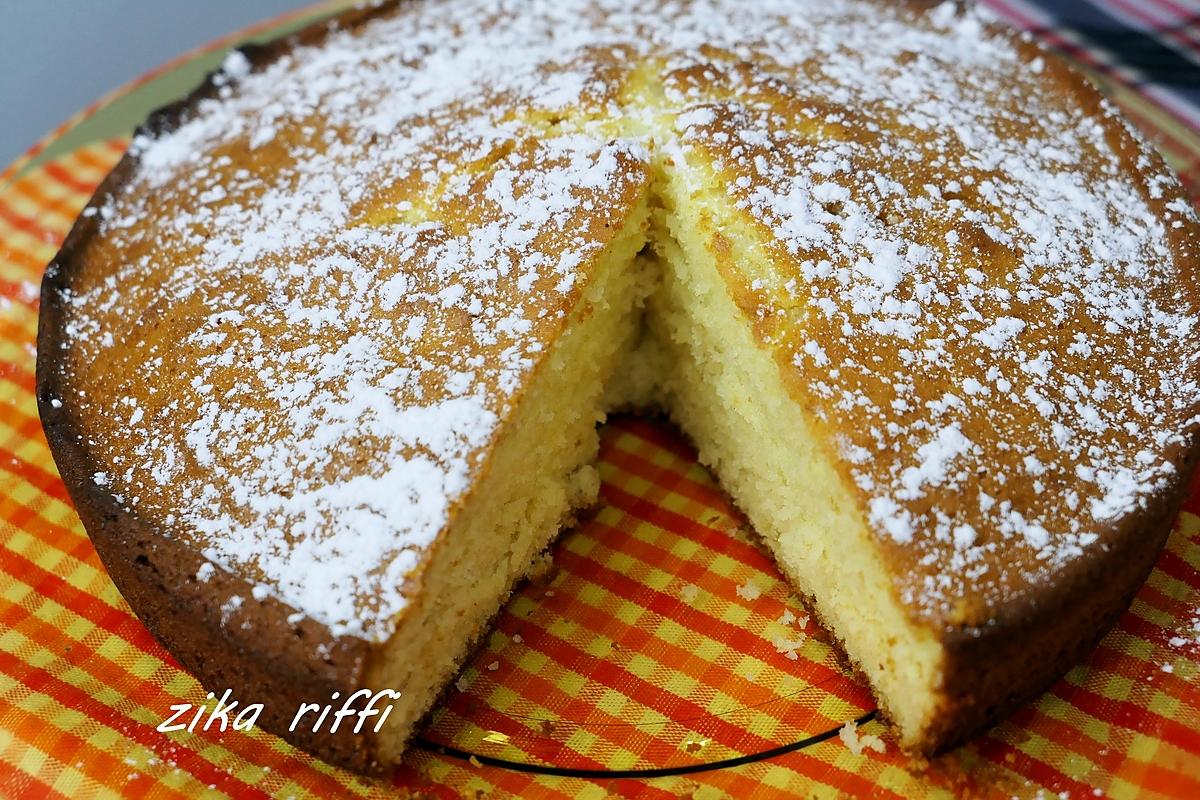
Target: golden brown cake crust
261,650
993,439
256,651
278,389
1002,653
992,672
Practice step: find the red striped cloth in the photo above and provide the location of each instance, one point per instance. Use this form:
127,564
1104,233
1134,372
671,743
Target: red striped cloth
1150,45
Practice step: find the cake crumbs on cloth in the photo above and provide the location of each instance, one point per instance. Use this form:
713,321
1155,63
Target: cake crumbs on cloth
789,647
858,742
749,591
1189,634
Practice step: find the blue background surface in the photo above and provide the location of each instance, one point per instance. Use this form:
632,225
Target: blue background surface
56,56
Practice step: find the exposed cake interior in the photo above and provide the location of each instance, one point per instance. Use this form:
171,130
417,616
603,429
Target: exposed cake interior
540,472
727,393
659,330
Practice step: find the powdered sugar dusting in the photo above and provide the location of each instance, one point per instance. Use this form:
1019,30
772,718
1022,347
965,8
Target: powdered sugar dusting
993,317
350,259
371,251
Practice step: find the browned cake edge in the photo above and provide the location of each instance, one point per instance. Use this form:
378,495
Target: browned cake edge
252,649
992,670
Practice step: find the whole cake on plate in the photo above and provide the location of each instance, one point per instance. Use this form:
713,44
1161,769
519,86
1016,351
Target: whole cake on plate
322,361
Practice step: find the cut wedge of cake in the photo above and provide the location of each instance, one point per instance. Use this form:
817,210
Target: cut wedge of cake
322,362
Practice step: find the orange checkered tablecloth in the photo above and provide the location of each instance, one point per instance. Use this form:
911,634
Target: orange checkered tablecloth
661,656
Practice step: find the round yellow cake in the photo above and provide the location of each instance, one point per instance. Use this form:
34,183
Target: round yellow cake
322,361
